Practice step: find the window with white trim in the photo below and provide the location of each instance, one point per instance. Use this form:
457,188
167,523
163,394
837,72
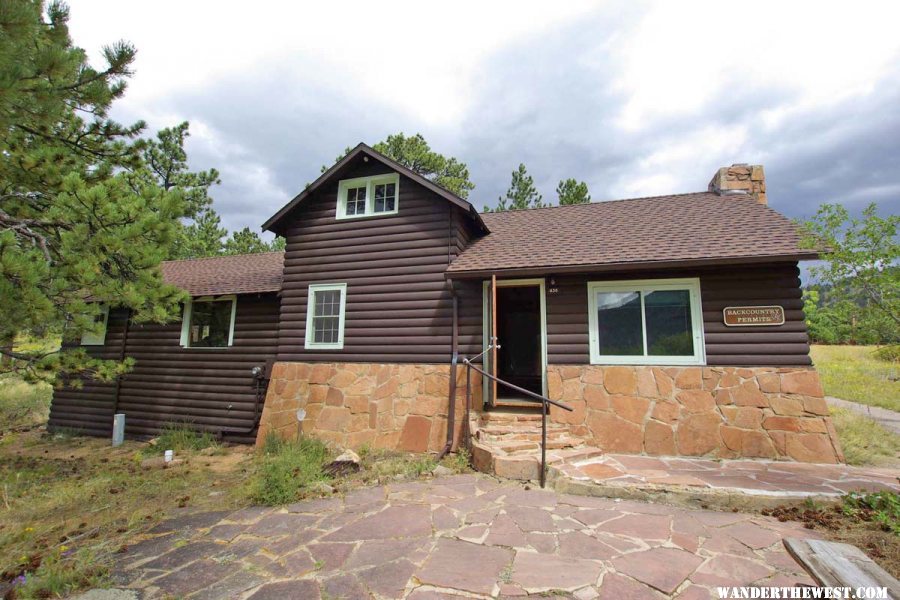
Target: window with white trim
368,196
209,322
97,337
646,322
325,316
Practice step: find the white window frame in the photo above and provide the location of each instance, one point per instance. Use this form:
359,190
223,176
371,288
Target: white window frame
310,313
186,321
369,183
89,338
647,285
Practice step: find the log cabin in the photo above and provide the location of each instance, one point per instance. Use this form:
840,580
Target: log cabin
671,325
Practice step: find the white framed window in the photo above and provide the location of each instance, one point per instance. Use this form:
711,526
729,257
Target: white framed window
646,322
97,337
209,322
368,196
325,307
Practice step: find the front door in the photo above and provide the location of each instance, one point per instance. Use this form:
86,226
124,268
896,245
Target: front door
520,329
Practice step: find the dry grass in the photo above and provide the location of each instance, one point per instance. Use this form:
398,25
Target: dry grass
864,441
855,373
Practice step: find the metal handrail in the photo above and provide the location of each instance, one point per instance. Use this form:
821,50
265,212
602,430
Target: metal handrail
532,397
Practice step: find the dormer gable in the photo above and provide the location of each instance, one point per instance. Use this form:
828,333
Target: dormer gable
374,193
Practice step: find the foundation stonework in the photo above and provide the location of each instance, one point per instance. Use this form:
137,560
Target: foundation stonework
716,412
394,406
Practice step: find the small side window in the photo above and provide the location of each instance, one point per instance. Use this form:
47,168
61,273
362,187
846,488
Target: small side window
208,322
325,316
371,196
97,337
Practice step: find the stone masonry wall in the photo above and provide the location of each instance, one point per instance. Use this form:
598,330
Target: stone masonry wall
718,412
394,406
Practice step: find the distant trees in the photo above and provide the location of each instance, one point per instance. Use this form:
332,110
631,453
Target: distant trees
414,153
571,191
857,295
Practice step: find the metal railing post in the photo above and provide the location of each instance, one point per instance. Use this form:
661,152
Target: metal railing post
543,443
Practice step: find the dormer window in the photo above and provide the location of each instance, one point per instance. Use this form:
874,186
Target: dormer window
368,196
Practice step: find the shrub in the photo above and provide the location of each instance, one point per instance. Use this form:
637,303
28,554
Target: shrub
881,507
286,468
888,353
181,437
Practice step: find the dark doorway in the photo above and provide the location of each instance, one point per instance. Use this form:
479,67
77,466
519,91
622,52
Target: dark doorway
519,336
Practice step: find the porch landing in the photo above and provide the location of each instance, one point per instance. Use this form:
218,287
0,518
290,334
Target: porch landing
722,483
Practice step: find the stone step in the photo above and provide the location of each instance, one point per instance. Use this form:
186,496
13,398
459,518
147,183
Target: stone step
509,417
521,436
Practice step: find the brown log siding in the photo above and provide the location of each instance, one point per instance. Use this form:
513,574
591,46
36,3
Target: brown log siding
212,388
567,315
399,305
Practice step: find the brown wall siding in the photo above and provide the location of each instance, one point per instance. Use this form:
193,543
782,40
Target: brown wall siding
399,306
567,315
211,388
89,409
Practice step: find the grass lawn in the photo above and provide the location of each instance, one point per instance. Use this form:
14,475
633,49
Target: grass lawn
69,504
853,373
864,441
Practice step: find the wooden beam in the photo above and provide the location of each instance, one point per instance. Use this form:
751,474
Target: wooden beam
833,564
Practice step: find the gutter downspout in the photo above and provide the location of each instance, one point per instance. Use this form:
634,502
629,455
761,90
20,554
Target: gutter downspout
454,360
121,358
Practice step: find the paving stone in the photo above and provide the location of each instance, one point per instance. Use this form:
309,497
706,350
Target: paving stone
380,551
316,507
464,566
388,580
586,593
298,564
618,587
110,594
695,592
193,577
542,542
231,586
345,587
182,555
529,518
297,589
394,521
594,516
151,547
425,593
730,570
330,556
579,545
249,514
686,541
226,532
483,516
281,524
365,496
443,518
718,519
532,497
504,532
651,527
191,521
752,535
542,572
661,568
472,532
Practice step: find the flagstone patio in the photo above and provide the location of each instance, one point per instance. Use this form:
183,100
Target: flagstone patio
721,483
462,536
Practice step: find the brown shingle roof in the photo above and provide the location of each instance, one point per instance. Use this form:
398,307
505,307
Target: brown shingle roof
683,229
239,274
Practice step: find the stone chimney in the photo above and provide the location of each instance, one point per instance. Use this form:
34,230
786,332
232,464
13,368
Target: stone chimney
740,178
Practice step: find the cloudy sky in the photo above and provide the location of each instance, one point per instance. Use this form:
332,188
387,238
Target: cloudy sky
635,98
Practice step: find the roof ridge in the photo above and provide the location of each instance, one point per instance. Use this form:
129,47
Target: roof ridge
638,198
220,256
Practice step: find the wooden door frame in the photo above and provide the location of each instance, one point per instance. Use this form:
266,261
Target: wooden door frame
486,325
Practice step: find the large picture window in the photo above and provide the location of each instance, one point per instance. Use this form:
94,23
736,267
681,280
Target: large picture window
209,322
368,196
325,316
646,322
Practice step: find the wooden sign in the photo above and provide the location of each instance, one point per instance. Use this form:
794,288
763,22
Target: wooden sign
753,316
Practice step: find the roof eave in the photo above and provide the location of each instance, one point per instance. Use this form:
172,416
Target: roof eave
272,223
629,266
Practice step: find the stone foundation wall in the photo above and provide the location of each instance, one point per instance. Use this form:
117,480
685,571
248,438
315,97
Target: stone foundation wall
719,412
394,406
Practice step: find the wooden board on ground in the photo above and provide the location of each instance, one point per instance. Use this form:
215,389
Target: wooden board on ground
833,564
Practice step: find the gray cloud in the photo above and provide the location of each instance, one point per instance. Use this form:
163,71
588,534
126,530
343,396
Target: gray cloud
548,101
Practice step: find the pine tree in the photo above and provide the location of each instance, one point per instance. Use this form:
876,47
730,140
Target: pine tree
414,153
249,242
572,192
79,224
521,193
